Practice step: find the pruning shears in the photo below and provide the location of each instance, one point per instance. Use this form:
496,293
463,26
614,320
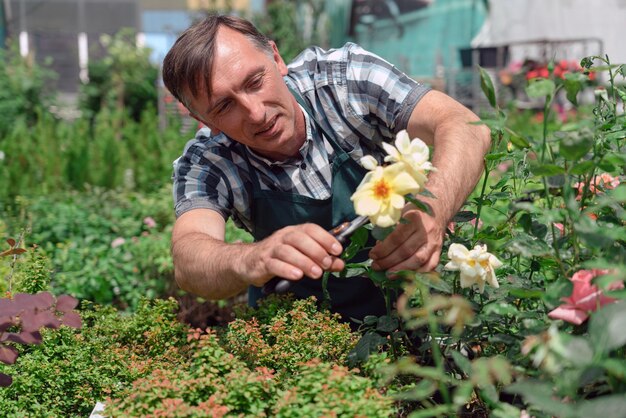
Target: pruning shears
341,232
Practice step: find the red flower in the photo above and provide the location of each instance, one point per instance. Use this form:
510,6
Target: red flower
585,297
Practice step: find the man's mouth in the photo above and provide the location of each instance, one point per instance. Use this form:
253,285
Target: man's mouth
267,129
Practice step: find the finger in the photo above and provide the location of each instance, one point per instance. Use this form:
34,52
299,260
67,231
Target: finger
324,238
421,260
337,264
309,247
432,263
279,268
405,251
293,256
398,237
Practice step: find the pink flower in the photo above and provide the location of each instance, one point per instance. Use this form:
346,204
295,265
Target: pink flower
473,223
585,297
149,222
560,227
117,242
604,181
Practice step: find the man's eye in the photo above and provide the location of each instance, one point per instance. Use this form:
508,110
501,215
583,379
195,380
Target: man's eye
256,83
222,108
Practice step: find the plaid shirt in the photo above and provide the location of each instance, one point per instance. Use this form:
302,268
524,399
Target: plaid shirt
359,97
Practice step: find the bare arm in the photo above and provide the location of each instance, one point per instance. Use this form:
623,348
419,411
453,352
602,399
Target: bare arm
459,151
207,266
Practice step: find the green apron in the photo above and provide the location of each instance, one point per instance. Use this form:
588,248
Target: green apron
353,297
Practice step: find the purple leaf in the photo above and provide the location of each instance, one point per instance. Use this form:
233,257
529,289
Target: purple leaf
8,354
7,307
34,321
11,242
41,301
5,380
72,319
24,337
66,303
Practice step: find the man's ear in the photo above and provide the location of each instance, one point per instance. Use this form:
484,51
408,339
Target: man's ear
280,63
214,130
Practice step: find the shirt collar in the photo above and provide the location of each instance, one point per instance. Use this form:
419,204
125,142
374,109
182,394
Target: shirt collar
304,149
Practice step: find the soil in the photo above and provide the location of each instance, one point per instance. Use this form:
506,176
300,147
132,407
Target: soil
200,313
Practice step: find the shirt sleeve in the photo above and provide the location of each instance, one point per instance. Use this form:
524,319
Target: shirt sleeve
379,92
203,179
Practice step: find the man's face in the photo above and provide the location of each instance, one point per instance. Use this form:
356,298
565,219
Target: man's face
249,100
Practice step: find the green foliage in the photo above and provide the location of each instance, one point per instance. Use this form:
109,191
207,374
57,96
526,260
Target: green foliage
34,272
124,80
104,246
210,383
52,156
322,389
24,89
73,369
280,24
213,382
283,333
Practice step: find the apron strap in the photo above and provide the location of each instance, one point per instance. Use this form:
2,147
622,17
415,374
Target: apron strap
331,138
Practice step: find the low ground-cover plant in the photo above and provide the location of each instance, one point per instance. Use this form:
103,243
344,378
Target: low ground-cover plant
282,334
106,247
281,360
73,369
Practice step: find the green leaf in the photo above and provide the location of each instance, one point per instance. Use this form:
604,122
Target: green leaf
614,136
496,156
542,87
606,328
573,83
464,216
420,391
546,169
518,141
464,364
528,246
434,281
573,147
423,206
500,309
357,242
369,343
526,293
615,367
387,324
463,393
582,168
380,233
487,86
539,395
612,406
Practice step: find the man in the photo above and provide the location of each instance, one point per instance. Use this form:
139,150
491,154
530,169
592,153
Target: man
279,155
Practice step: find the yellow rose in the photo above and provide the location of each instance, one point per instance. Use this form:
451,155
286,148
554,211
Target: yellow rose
380,196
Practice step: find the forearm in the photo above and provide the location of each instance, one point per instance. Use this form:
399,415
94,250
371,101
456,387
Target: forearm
458,156
209,267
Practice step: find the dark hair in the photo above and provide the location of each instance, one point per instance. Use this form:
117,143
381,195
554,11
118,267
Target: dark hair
189,62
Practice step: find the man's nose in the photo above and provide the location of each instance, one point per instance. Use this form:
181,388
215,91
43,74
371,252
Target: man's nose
254,108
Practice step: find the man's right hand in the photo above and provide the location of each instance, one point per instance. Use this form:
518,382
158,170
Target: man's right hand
294,252
207,266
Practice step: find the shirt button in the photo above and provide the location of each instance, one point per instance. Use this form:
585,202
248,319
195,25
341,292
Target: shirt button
303,166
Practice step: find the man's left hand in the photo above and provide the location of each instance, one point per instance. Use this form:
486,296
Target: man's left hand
413,245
